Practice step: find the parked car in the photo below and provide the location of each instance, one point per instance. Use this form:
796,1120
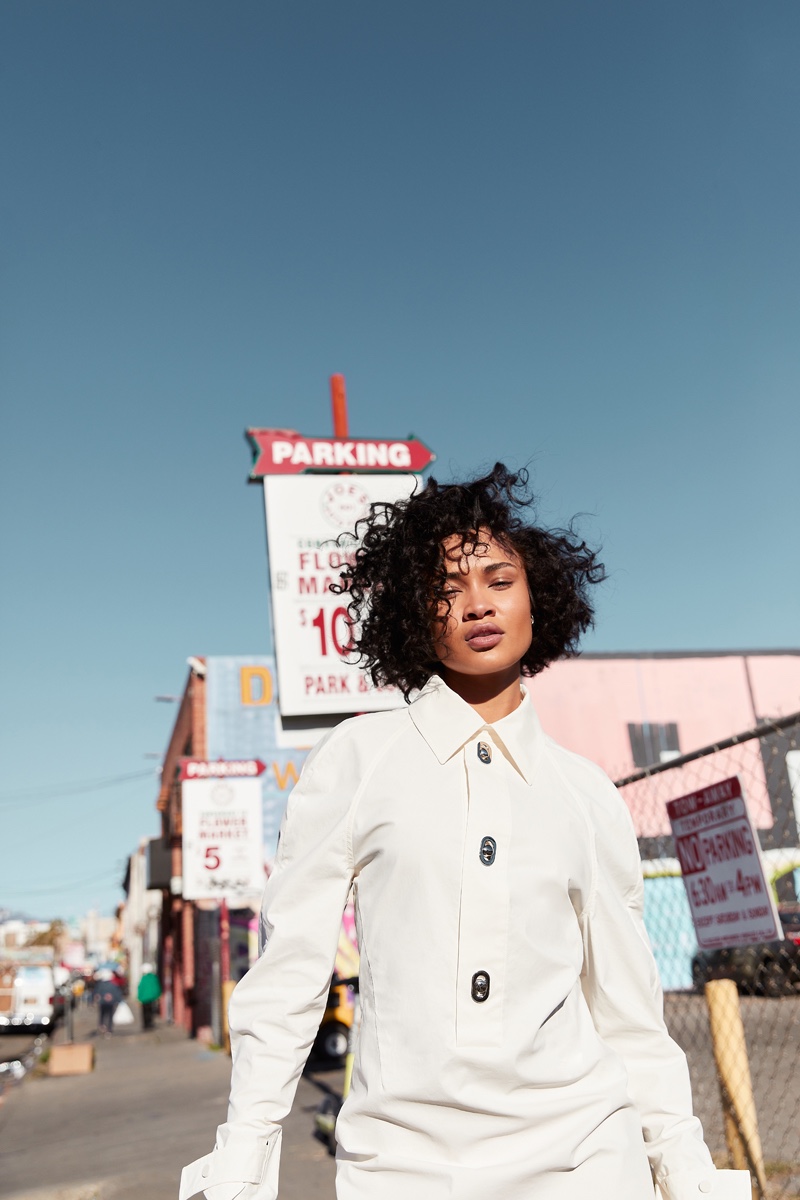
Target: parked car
771,968
330,1044
27,999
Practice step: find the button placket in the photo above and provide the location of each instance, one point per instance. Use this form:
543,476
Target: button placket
488,844
483,924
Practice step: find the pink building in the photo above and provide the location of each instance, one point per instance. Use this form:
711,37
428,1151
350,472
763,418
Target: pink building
630,710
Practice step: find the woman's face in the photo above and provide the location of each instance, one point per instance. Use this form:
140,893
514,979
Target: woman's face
488,629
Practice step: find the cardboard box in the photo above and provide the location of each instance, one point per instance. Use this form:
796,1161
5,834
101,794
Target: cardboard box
77,1058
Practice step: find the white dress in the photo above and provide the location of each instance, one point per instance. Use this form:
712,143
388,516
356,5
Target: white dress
512,1043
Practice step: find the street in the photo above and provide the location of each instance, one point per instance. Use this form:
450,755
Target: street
151,1105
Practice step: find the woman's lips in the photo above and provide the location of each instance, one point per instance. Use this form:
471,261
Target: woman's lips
484,637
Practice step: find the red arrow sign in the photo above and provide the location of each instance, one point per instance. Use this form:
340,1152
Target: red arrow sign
240,768
284,452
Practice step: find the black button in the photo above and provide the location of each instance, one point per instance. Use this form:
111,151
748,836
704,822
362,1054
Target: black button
480,986
484,752
488,851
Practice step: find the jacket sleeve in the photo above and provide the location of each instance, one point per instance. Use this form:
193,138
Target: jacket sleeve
623,991
276,1008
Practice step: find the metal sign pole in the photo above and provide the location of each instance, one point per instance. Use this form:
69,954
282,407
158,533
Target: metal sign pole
339,406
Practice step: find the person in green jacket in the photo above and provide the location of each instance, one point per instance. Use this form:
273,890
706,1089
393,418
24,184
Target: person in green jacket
147,994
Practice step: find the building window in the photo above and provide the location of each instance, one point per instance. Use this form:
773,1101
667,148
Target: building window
653,743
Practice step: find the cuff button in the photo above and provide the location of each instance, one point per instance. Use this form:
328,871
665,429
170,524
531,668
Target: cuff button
204,1170
705,1185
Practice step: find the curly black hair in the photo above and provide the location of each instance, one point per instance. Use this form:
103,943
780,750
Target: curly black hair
396,581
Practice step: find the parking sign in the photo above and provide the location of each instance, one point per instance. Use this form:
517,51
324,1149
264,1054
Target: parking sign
718,850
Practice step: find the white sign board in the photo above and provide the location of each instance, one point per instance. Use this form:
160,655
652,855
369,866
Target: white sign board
305,516
718,850
223,853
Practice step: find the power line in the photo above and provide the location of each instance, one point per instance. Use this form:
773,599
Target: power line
43,794
46,832
85,785
106,876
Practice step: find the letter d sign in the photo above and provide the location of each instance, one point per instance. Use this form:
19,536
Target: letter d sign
255,685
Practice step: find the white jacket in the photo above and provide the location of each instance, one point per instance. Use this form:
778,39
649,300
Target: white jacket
512,1040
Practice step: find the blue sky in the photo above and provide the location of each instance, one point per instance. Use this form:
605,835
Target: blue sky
558,234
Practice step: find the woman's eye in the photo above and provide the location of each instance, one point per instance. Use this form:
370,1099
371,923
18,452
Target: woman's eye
502,583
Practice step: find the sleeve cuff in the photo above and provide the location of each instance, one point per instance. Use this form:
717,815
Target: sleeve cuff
705,1185
226,1171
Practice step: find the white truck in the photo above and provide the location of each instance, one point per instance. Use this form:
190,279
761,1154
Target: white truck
27,996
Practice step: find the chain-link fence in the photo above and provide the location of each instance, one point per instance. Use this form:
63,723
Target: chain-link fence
767,762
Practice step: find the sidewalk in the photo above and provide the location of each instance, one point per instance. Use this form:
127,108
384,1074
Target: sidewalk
151,1105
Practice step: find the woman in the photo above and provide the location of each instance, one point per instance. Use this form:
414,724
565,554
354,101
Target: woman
109,995
512,1042
148,994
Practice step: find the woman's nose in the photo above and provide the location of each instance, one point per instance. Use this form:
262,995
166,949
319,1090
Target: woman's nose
477,608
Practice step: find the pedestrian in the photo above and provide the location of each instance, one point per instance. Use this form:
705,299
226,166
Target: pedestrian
109,994
512,1042
148,994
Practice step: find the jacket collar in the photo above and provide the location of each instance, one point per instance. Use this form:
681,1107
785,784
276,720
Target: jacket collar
447,723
